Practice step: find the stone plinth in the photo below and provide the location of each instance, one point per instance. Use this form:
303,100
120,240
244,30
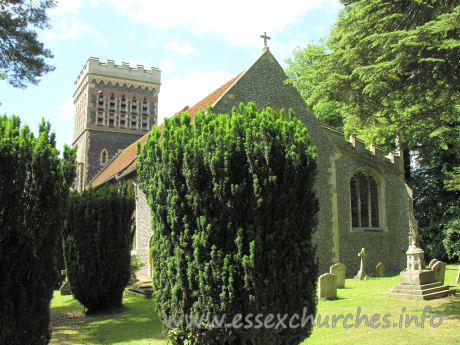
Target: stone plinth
417,277
425,291
420,285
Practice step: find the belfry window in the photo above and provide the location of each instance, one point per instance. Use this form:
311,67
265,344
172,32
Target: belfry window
100,119
144,107
100,101
112,103
365,202
133,122
134,106
123,104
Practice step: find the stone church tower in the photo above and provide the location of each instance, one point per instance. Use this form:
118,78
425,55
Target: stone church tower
114,106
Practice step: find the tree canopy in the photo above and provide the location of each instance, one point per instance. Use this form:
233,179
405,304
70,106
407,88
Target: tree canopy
388,67
22,56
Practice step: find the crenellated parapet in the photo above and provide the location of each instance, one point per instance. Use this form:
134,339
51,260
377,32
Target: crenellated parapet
109,73
358,147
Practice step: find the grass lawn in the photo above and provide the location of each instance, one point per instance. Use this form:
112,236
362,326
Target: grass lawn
139,324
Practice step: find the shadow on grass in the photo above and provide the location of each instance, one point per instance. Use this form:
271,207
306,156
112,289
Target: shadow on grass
450,308
137,320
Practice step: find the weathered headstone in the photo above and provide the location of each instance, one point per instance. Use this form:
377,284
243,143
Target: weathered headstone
328,286
339,270
65,288
362,255
432,262
458,276
439,269
380,269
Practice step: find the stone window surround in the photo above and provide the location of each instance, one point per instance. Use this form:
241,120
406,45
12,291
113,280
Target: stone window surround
103,157
381,200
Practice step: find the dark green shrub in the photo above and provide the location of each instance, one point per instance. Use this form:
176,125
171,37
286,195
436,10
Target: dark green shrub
134,267
97,244
451,239
233,213
34,186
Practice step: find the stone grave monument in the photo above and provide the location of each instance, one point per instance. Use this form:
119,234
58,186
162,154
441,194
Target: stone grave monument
432,262
439,269
328,286
339,270
380,269
362,255
458,276
65,288
416,281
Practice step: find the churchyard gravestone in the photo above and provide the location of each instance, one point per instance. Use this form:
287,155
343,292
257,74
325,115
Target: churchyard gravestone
65,288
380,269
432,262
362,255
458,276
439,269
328,286
339,270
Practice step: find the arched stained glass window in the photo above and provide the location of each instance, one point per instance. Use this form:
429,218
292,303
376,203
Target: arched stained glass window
364,193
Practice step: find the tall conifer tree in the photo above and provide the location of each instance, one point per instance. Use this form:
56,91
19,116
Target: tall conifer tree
233,213
34,185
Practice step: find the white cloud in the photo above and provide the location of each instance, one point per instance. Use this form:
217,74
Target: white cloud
66,111
188,88
333,8
166,66
185,49
240,22
67,28
66,6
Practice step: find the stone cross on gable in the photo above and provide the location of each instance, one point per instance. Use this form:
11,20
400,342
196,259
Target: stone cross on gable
265,37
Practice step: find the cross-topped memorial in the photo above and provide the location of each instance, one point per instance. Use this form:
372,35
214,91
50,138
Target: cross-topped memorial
265,37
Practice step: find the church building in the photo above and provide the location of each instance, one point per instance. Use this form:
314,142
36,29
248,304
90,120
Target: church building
362,194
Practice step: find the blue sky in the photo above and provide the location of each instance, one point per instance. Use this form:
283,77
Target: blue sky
198,45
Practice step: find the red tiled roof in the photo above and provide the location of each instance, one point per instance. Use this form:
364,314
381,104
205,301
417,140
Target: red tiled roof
212,98
127,159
